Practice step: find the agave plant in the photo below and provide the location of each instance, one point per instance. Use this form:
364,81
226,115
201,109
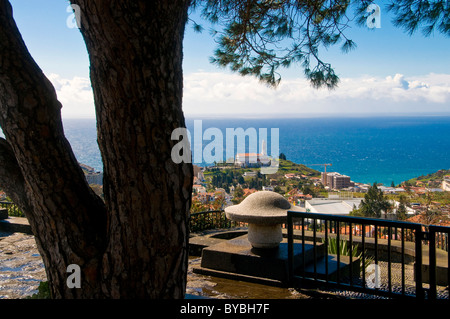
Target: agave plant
345,249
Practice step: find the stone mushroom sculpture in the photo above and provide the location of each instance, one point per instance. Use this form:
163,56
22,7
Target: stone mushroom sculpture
264,212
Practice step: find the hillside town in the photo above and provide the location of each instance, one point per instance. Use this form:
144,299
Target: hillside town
425,199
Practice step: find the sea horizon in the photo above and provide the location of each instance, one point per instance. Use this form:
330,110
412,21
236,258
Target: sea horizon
382,149
376,148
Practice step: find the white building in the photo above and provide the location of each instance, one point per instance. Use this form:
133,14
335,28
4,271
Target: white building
345,206
251,174
446,183
332,206
200,176
253,159
94,178
199,189
391,190
335,180
395,204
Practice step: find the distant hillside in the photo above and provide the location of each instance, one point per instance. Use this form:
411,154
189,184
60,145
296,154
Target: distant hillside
287,167
434,178
86,169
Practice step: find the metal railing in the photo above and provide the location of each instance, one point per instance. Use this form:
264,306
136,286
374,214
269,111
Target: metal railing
210,220
13,209
438,238
389,262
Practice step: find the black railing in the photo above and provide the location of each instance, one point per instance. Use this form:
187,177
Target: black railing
210,220
13,209
388,261
438,239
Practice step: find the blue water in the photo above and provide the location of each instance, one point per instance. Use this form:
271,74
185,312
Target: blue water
372,149
376,149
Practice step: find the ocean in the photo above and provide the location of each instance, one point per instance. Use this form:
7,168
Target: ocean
368,149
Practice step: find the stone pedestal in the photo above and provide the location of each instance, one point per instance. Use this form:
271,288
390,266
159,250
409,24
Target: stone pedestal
264,212
258,254
237,257
265,236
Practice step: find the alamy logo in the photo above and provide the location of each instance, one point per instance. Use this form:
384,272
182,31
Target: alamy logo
374,18
374,278
213,152
74,19
74,279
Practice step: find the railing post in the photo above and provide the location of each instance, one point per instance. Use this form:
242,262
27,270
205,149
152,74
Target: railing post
351,252
448,263
326,250
338,248
389,260
315,248
415,233
432,263
363,255
290,231
418,262
403,234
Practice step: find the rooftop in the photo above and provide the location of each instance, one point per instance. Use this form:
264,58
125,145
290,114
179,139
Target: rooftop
334,207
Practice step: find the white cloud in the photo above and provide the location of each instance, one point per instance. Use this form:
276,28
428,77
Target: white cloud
75,95
219,93
214,93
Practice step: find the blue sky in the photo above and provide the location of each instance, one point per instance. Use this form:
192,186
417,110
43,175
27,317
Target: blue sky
389,72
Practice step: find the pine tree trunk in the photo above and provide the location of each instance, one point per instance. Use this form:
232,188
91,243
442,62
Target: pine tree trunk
135,244
136,71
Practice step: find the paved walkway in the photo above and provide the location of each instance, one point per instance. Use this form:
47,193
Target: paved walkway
21,266
22,269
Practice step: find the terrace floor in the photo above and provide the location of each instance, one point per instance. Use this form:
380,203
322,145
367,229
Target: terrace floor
21,270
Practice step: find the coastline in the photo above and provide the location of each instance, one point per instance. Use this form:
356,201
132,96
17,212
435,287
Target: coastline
372,149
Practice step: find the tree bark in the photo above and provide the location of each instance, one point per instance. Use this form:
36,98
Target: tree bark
11,175
135,244
135,51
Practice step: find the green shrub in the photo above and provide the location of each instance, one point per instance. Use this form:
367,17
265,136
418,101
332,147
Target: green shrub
344,250
43,291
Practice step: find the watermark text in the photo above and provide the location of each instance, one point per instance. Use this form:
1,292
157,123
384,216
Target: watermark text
235,153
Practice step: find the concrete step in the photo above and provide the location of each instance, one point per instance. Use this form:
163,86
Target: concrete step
303,259
331,261
15,224
239,257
